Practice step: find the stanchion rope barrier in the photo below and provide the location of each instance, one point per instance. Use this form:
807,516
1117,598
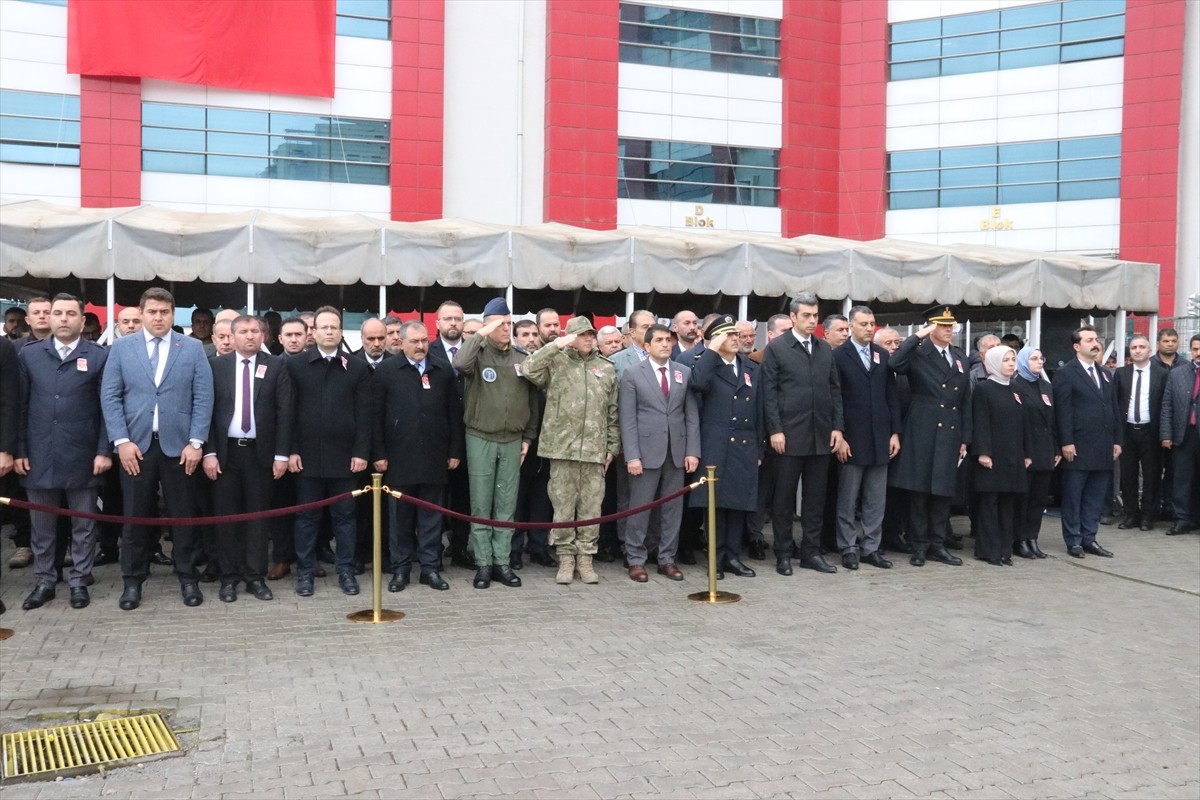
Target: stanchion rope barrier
574,523
217,520
229,519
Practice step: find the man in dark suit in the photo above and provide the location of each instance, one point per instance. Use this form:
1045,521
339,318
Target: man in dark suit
937,431
1089,430
686,327
419,438
872,440
1180,410
249,444
293,335
1140,388
802,396
331,444
8,416
450,323
374,333
374,342
157,401
660,439
62,445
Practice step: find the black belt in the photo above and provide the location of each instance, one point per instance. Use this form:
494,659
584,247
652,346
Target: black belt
241,442
1137,426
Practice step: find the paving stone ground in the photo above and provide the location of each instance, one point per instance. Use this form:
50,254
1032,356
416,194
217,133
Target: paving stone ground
1054,678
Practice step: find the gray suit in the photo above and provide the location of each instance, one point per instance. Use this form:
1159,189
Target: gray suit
659,431
184,398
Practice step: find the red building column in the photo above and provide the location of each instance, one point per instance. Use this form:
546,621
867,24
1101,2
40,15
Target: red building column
418,115
110,142
1150,139
582,51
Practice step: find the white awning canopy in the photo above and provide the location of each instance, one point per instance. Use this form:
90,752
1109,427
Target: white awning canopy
42,240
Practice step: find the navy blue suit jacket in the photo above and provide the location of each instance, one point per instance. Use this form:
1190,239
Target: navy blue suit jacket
1086,416
870,405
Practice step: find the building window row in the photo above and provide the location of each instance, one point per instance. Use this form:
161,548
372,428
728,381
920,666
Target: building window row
698,173
680,37
261,144
1023,172
38,128
1022,36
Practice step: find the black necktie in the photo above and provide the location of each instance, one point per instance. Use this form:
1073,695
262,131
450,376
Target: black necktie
1095,377
807,346
1137,398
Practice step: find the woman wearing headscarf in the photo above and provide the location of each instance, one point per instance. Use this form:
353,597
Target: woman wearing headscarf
1001,441
1038,402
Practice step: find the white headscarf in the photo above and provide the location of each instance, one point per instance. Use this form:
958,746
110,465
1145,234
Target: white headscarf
992,359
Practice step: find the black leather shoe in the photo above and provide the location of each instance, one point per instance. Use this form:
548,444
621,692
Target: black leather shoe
850,560
505,575
80,597
995,562
462,559
603,555
1179,528
106,557
398,582
784,566
544,559
1036,548
1006,561
434,580
1107,519
939,553
228,593
209,575
757,550
1022,549
876,560
735,567
1095,549
358,567
483,577
348,583
192,596
42,593
131,598
1075,552
1127,523
685,556
162,559
516,561
1147,525
954,542
817,564
304,585
260,590
917,559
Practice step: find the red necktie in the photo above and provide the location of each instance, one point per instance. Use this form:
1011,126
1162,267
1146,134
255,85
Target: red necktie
666,387
245,395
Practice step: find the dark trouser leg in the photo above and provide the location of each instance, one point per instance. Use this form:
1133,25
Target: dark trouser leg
987,527
814,475
401,534
895,519
608,531
458,490
730,523
44,534
1032,505
1006,510
283,533
429,528
787,471
345,528
110,493
1186,460
308,490
829,508
141,500
179,498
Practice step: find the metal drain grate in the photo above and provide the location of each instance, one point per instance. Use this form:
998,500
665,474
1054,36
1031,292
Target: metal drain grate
86,746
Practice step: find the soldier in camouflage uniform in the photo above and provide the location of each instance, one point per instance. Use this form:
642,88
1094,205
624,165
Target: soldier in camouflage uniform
579,436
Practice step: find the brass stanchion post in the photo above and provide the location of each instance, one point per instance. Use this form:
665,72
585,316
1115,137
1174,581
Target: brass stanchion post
712,595
376,613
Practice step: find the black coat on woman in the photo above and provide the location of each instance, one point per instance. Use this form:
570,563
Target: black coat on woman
1038,402
999,431
732,432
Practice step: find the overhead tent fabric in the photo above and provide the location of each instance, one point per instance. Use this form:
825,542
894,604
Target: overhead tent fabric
42,240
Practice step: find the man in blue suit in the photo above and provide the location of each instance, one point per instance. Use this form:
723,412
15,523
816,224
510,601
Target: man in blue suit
871,440
1088,425
157,398
62,446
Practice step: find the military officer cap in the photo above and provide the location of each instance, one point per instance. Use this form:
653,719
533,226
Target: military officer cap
940,315
580,324
722,324
496,306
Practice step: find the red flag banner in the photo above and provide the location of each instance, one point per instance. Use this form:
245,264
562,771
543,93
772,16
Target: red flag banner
279,46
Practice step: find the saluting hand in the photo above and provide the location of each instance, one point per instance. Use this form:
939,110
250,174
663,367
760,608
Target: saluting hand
564,341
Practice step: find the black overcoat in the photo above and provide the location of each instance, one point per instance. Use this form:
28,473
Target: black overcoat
333,420
999,430
1038,402
731,430
419,426
802,395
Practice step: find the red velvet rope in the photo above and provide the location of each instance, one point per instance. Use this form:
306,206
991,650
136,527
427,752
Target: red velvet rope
574,523
221,520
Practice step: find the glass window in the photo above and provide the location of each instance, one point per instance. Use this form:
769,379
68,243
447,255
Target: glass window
979,43
699,40
1089,190
1028,151
899,181
39,128
901,200
968,156
1082,9
1029,193
1030,15
914,159
1029,173
236,142
1033,57
368,19
971,176
1090,147
1093,29
1089,168
1092,50
915,69
911,51
659,170
970,23
982,196
1030,37
921,29
966,64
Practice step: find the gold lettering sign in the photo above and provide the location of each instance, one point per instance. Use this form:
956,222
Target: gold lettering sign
698,220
